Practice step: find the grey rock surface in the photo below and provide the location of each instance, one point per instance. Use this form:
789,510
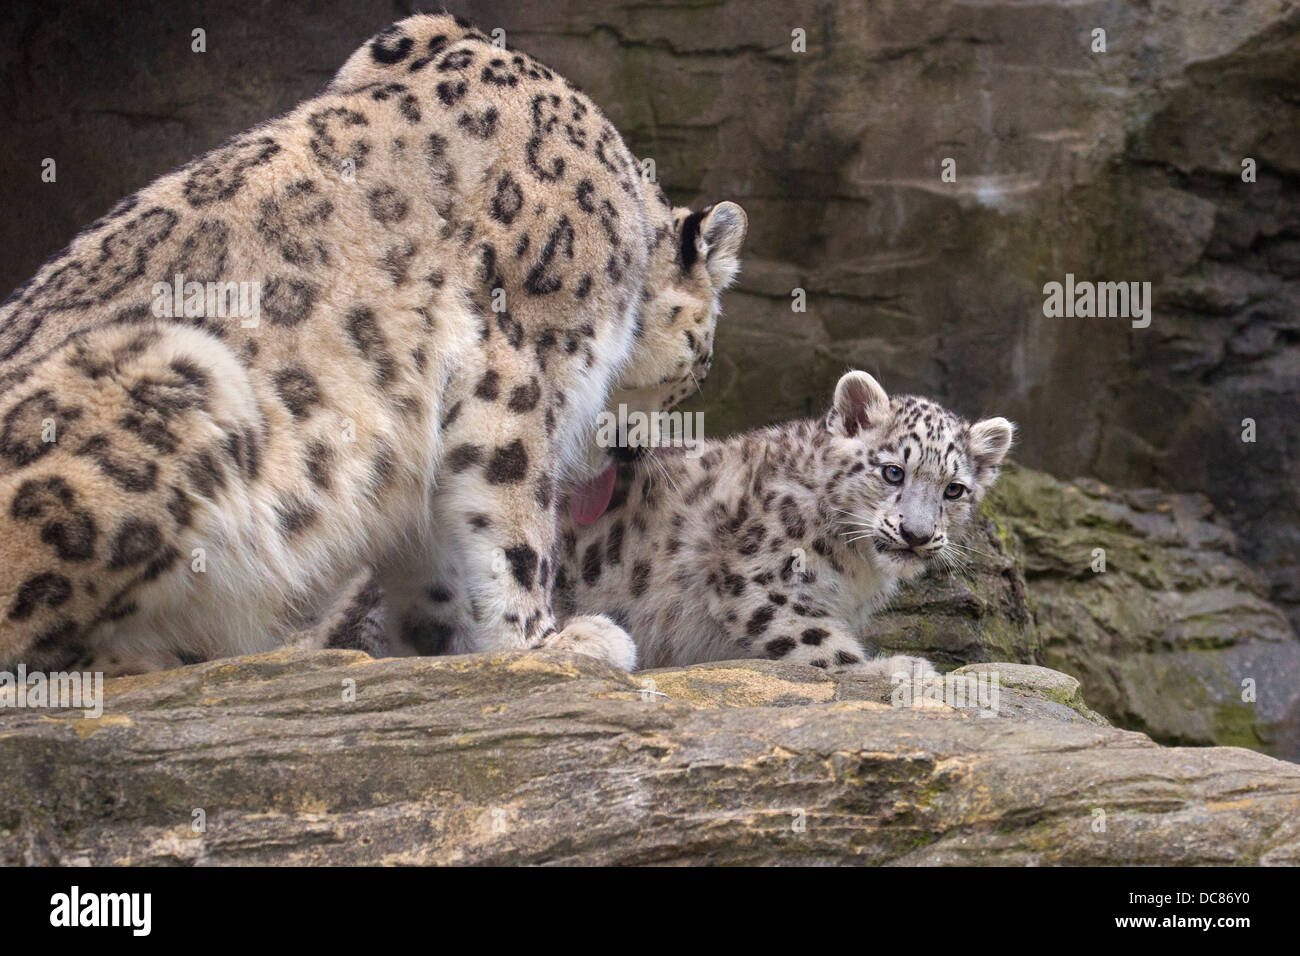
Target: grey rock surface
540,759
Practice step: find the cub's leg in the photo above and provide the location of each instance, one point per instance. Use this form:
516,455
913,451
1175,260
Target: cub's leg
785,634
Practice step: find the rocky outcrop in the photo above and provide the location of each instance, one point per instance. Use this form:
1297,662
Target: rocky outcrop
332,757
1139,594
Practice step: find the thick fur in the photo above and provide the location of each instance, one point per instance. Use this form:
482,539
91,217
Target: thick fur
458,261
780,543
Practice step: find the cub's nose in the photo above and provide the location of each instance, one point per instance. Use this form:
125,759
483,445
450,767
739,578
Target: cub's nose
913,536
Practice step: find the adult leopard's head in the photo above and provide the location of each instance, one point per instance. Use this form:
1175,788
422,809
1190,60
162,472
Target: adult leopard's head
694,257
907,474
693,261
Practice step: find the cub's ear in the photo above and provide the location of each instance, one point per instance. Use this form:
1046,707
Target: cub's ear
989,442
860,403
716,235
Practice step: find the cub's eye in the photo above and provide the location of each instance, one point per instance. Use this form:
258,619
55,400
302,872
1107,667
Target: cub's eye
892,474
954,490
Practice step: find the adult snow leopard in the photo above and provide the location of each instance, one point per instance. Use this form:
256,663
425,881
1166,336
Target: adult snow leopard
453,259
780,543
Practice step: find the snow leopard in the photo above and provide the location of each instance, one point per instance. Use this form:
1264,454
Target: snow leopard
444,266
780,543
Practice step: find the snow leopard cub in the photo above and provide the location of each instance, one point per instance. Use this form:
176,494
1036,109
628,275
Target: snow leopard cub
781,542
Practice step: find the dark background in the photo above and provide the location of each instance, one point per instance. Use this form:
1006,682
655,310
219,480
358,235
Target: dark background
1122,166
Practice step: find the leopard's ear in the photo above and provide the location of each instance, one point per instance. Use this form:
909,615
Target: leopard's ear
715,235
989,441
860,403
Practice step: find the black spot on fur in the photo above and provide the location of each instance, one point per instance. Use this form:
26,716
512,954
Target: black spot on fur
136,541
507,199
456,60
524,398
441,170
511,328
297,389
640,578
523,564
434,47
489,386
22,433
792,519
387,205
508,465
45,589
179,507
390,46
591,564
221,173
287,301
483,125
320,461
397,261
463,456
452,91
205,474
779,647
365,333
136,475
295,515
614,544
758,622
540,281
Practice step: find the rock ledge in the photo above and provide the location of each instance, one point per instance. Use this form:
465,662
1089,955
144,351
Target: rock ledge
529,758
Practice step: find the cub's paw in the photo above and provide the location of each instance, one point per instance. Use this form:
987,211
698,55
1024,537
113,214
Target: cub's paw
889,666
596,636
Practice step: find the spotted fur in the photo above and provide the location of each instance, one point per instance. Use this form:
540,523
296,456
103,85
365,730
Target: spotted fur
780,543
458,261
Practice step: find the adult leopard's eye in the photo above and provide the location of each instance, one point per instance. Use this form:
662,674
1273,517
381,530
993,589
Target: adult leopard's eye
954,490
892,474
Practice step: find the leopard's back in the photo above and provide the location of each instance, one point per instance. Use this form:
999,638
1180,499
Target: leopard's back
444,214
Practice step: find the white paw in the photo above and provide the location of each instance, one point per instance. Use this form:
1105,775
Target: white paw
894,664
596,636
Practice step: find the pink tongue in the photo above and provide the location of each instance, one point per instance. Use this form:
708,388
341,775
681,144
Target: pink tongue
589,501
